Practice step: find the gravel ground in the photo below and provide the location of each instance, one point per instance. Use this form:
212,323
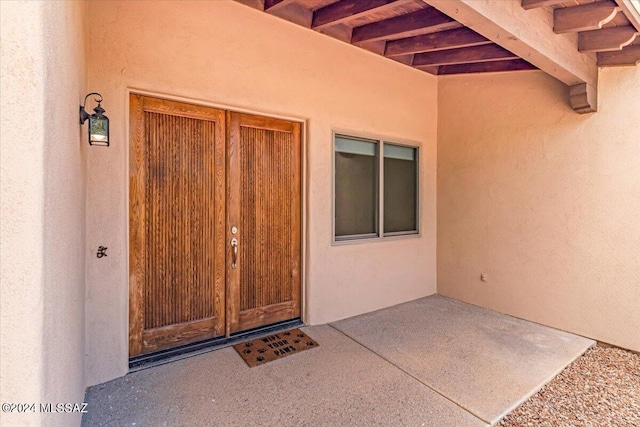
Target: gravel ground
601,388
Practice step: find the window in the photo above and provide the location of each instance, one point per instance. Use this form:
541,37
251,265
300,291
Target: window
375,188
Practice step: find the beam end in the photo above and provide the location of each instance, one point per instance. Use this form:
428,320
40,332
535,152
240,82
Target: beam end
583,98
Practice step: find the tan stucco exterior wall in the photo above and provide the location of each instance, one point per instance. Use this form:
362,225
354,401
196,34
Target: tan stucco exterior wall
43,208
22,206
227,54
543,201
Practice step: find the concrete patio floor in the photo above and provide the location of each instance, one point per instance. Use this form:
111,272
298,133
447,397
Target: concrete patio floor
430,362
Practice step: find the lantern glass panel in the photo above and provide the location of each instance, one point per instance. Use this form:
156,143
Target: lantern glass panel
98,131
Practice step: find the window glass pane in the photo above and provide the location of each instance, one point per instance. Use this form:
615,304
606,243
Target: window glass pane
400,189
356,189
354,146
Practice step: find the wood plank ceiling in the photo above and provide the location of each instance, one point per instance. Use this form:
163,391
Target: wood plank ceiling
602,28
418,35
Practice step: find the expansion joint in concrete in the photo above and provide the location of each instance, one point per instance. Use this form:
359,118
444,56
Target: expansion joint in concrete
431,387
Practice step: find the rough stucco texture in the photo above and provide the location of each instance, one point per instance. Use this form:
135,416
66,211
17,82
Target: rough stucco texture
43,208
225,53
21,207
543,201
64,209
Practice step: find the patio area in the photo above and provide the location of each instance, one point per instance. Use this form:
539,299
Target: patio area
433,361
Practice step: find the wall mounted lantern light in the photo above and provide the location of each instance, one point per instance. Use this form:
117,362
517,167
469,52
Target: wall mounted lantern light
98,122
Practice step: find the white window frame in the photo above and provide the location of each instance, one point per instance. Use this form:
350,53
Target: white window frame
380,235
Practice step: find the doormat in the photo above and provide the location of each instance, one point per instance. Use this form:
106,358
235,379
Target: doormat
262,350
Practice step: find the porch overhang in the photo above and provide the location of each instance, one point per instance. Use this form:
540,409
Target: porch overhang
528,34
567,39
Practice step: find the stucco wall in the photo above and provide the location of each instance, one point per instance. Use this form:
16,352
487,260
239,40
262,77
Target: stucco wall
65,178
22,207
43,208
227,54
542,200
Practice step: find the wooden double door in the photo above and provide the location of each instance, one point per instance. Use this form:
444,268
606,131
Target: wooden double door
215,223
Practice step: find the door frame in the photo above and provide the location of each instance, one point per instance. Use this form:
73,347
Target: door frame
304,259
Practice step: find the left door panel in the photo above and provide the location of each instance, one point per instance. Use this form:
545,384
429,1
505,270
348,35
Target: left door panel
177,224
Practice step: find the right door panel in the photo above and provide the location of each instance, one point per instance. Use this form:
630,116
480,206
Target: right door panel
264,208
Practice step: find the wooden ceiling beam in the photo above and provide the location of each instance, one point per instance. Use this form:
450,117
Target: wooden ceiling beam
293,13
532,4
486,67
528,35
586,17
289,10
254,4
466,55
404,59
461,37
341,32
431,70
423,21
271,6
607,39
375,46
628,56
347,10
630,11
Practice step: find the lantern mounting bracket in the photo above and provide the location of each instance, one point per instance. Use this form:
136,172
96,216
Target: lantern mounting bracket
83,113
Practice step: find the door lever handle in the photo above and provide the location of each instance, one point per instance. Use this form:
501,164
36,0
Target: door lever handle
234,252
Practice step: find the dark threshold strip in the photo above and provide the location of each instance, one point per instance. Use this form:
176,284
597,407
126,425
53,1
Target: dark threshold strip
165,356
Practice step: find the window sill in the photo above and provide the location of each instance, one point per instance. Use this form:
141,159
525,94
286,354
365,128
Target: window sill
388,238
